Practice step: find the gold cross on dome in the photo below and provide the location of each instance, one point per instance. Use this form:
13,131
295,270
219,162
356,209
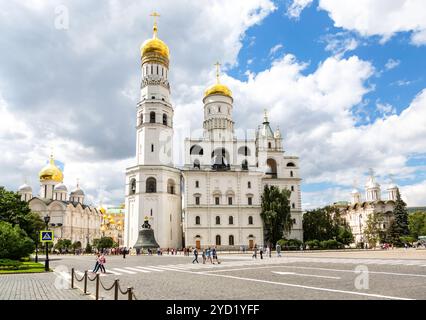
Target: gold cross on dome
155,15
217,64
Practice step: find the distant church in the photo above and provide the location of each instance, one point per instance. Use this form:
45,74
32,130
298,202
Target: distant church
222,178
359,209
70,217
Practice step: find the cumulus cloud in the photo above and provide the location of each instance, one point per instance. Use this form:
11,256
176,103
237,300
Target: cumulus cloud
296,7
392,64
381,18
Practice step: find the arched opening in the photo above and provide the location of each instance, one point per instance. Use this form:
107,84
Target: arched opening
244,165
271,169
250,220
244,151
197,164
291,164
231,240
171,186
197,220
217,220
196,150
231,220
152,117
218,240
165,119
269,145
220,159
141,119
151,185
132,189
291,174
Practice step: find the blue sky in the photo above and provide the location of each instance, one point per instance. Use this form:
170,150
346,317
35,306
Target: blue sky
345,82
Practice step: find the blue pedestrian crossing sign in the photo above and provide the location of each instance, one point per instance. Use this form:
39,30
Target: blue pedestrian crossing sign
46,236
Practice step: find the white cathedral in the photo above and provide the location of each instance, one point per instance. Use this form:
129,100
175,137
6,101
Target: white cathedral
214,199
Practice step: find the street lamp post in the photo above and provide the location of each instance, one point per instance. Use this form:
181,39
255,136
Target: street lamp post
46,263
36,257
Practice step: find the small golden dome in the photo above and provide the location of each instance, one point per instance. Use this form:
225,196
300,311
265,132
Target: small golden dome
105,217
218,89
102,210
155,50
111,221
51,172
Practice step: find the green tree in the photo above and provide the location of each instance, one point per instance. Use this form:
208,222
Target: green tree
345,235
14,242
88,248
372,229
417,224
17,212
275,213
63,244
76,245
105,243
318,224
399,226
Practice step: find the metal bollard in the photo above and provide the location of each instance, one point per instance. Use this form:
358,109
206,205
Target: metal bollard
85,282
97,287
129,292
116,289
72,278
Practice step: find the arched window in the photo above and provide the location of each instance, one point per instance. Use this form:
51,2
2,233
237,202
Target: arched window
244,165
218,240
231,240
217,220
196,150
197,163
197,184
132,186
249,185
291,173
250,220
171,186
197,220
293,206
231,220
141,118
244,151
165,119
152,117
271,169
269,145
220,158
151,185
291,164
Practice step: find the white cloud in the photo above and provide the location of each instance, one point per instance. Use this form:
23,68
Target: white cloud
275,49
381,18
340,43
296,7
391,64
385,109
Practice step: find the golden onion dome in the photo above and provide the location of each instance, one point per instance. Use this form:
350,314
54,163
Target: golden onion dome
105,216
51,172
111,221
218,88
155,50
102,210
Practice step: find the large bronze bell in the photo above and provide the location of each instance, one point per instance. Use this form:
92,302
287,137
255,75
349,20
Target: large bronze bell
146,239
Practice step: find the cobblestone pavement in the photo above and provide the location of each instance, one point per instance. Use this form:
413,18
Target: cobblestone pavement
328,275
37,286
392,274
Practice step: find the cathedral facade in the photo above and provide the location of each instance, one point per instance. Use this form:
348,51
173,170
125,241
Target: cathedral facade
357,211
214,199
70,217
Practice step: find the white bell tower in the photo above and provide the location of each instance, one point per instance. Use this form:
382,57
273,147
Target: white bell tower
153,184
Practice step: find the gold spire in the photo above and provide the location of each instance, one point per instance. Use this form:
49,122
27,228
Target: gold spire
218,88
217,64
154,50
155,27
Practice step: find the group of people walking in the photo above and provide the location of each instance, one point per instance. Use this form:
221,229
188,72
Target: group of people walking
209,255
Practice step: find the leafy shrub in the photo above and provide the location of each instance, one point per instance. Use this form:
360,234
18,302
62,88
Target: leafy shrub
312,244
14,242
330,244
9,264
